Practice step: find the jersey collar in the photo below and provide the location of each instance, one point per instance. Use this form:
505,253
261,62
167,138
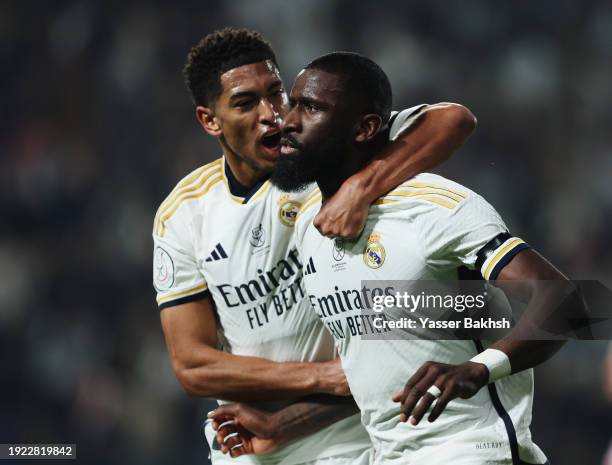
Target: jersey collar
237,191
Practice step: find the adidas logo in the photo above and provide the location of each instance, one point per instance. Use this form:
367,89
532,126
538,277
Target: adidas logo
310,268
217,254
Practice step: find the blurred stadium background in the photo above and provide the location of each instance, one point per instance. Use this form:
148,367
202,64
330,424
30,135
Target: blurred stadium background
97,127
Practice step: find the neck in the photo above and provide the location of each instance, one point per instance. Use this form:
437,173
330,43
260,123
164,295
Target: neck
245,173
330,180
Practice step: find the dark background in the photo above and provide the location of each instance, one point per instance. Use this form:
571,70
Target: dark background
96,127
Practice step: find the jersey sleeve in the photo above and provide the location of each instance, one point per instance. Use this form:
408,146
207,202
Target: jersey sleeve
472,234
176,277
400,121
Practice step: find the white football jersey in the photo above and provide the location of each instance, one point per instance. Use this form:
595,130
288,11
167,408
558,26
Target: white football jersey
241,250
424,230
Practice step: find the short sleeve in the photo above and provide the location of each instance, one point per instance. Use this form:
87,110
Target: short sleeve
401,121
176,276
473,234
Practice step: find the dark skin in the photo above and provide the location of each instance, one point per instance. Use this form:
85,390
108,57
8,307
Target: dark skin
320,110
262,432
250,105
529,277
249,108
316,113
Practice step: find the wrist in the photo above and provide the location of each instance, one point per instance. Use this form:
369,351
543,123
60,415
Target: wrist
276,430
329,377
480,373
496,362
322,378
360,185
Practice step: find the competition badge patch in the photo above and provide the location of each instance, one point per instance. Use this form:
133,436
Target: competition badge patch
374,252
258,236
288,210
163,270
338,251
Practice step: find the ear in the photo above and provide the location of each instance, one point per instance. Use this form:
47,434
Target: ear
208,120
368,128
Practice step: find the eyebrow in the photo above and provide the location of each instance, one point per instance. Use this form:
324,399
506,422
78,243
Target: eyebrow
305,100
250,93
246,93
277,83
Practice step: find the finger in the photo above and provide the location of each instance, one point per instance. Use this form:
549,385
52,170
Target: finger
237,450
219,421
410,384
229,440
421,408
232,440
320,222
224,432
415,393
228,410
418,375
324,230
440,405
226,424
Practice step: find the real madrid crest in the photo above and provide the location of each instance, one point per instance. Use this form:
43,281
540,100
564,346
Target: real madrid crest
374,252
288,210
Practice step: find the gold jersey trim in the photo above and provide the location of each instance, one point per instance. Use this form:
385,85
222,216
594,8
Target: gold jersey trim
185,186
178,203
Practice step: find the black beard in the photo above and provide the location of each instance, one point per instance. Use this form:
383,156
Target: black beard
293,173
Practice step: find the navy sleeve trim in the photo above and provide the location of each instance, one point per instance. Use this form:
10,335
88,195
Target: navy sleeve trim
506,259
186,299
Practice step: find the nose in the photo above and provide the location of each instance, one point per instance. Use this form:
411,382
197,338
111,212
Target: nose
267,113
291,122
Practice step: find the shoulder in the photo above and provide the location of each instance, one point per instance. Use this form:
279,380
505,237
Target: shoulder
428,189
434,202
193,187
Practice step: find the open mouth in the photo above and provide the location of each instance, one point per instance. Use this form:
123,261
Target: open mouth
271,141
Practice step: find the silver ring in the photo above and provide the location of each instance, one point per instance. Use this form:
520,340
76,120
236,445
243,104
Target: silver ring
236,446
434,391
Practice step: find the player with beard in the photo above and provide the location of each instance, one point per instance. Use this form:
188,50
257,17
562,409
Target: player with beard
237,323
424,230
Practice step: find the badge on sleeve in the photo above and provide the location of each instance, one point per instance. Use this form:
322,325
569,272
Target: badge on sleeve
163,269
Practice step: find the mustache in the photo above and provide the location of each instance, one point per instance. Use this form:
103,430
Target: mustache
290,141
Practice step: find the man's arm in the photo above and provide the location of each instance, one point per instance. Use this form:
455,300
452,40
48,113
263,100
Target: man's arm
437,133
242,429
203,370
546,290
